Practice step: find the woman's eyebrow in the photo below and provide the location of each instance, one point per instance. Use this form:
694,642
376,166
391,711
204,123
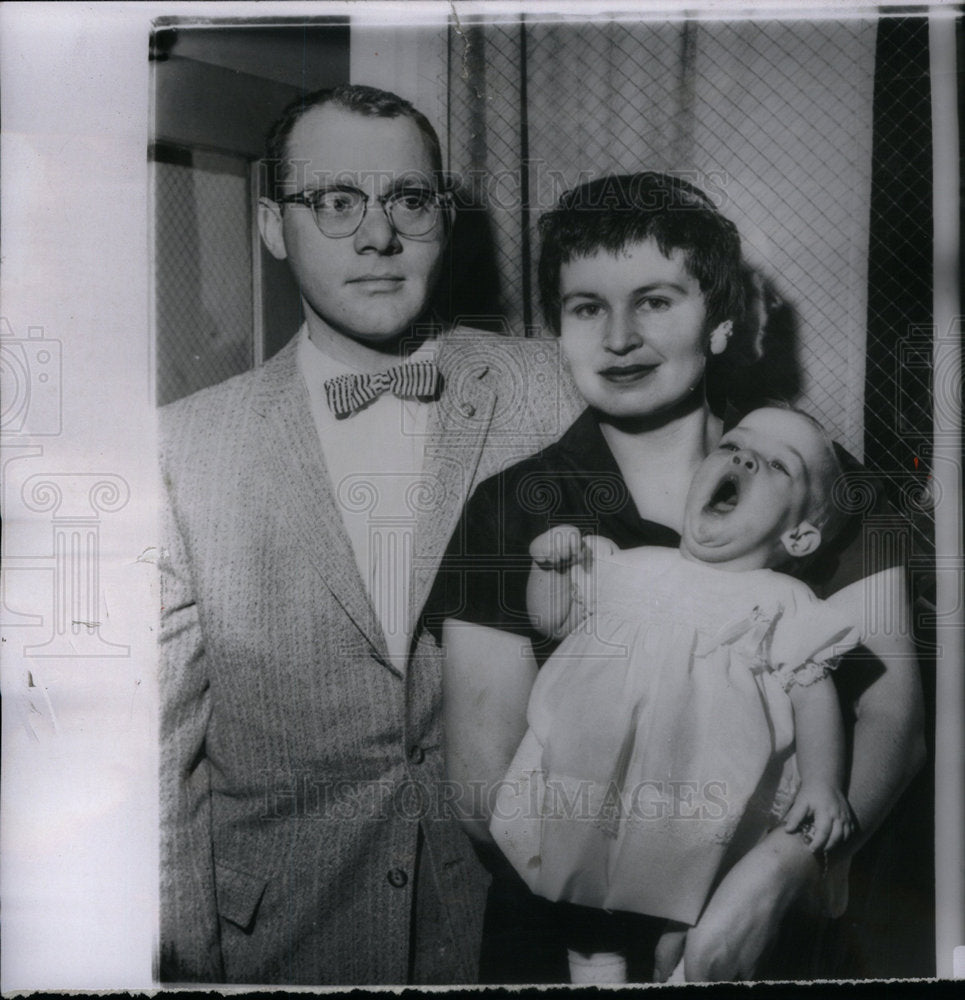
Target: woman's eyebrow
656,286
660,286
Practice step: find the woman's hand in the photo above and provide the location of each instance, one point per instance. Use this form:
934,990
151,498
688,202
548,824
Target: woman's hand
670,952
743,916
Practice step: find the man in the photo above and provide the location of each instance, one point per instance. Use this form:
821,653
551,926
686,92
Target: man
306,834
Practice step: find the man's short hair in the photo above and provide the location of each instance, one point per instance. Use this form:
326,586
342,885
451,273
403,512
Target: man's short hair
617,211
356,98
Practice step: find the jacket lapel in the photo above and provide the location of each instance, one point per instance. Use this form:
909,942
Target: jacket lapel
455,438
293,455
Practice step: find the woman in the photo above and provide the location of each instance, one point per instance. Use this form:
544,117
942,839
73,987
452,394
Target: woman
641,278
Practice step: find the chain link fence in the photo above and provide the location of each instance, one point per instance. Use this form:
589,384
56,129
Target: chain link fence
772,119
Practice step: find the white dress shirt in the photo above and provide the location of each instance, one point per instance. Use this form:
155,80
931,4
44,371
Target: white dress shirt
375,461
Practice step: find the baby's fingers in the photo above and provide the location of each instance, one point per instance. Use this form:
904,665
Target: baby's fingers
823,837
796,815
835,836
556,548
847,827
841,830
596,546
821,831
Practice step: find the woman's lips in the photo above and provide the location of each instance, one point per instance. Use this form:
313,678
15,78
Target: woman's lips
626,373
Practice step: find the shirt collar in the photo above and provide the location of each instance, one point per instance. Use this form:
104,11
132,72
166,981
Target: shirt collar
318,366
320,362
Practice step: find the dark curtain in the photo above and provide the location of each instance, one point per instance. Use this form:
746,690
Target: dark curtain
889,929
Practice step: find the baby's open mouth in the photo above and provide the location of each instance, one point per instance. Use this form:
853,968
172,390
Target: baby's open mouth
726,496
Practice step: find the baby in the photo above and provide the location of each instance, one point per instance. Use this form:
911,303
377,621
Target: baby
662,731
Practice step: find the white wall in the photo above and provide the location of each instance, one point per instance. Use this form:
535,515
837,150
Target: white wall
411,60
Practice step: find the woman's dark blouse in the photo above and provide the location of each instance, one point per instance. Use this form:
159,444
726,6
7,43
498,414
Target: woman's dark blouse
577,481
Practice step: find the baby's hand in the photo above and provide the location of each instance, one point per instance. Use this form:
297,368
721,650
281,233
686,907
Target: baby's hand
595,547
561,591
822,812
558,549
563,548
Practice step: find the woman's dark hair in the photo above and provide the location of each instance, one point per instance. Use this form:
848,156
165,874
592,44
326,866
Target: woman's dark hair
356,98
614,212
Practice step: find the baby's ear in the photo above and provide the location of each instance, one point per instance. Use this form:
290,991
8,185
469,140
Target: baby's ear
801,540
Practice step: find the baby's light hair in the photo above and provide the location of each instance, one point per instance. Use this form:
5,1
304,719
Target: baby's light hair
821,511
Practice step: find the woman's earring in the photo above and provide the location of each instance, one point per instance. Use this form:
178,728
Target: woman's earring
720,336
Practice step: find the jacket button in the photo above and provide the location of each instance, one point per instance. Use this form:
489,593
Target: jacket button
416,754
467,410
397,878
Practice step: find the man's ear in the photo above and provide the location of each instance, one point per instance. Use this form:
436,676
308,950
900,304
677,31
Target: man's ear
271,229
719,337
801,540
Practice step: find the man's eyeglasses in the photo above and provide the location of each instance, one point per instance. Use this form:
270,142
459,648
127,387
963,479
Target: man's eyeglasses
339,211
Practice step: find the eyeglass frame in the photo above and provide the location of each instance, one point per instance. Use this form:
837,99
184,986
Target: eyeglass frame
304,197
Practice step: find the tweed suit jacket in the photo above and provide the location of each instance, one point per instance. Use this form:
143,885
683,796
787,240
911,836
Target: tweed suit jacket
300,769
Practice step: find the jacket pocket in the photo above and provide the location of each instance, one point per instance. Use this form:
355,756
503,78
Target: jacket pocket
238,894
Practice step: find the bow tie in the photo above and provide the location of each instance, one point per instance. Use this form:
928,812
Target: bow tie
346,394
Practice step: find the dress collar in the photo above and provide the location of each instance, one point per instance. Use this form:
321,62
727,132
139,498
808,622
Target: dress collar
585,450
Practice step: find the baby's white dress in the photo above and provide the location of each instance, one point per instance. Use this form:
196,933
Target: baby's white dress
660,739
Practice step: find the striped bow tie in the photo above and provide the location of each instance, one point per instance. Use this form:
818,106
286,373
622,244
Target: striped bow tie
346,394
